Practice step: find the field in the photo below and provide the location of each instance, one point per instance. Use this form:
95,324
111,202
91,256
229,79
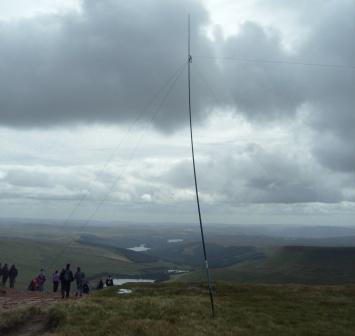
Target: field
263,285
31,255
255,258
183,309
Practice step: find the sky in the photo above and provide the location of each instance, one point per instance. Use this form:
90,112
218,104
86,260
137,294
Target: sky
94,119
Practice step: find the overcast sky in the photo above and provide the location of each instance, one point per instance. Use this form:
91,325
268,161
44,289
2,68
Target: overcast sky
93,108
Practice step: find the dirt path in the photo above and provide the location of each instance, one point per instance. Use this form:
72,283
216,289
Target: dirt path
13,299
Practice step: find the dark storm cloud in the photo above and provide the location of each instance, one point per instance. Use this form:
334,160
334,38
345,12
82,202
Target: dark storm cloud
101,66
105,64
266,91
332,93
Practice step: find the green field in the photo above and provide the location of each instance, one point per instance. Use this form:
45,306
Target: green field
101,250
183,309
31,255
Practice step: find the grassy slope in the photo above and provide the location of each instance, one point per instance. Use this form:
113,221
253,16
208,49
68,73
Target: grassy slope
183,309
307,265
31,255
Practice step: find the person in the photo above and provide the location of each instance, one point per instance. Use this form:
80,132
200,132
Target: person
13,275
100,285
0,273
5,274
66,277
86,287
61,282
55,279
41,279
33,285
80,279
109,281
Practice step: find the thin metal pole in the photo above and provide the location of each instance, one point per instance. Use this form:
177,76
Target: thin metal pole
189,60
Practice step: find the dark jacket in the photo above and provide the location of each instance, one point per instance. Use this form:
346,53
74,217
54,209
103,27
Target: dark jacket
66,276
100,285
13,272
79,277
109,282
5,272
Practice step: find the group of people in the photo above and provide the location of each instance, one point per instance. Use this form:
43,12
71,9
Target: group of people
108,283
63,278
7,273
37,283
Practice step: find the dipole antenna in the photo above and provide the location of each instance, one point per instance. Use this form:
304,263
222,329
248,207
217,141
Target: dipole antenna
189,62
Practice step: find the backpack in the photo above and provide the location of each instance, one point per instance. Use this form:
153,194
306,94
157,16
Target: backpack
33,285
67,276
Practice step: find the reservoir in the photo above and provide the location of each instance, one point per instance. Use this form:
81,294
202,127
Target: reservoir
118,282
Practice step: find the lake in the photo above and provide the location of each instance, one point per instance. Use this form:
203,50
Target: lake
140,248
175,241
119,282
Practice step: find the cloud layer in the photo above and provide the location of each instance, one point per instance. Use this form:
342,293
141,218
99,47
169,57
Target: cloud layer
103,64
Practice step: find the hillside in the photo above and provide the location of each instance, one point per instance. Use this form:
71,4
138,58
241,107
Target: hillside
30,255
290,264
183,309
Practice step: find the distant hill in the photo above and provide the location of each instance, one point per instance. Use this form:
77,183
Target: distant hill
219,256
189,253
291,264
138,257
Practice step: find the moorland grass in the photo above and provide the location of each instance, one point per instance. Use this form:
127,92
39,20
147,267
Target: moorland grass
12,320
183,309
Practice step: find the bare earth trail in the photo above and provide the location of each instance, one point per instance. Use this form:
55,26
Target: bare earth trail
13,299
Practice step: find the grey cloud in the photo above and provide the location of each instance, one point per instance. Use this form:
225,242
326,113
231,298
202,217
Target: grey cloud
258,176
21,178
229,175
105,64
262,91
336,153
101,66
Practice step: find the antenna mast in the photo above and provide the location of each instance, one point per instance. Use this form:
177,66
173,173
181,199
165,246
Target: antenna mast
189,61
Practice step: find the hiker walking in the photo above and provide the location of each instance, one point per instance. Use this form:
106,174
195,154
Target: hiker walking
61,281
5,274
109,281
66,277
100,285
86,287
55,279
41,279
13,275
80,279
